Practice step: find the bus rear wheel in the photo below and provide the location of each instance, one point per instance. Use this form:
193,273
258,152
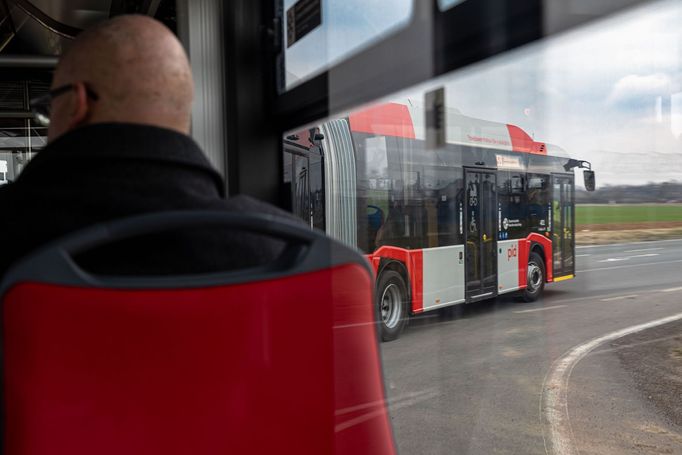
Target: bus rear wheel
535,280
391,305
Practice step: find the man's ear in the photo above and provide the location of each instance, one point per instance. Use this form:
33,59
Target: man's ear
80,109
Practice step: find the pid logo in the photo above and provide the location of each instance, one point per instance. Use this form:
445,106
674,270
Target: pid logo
511,252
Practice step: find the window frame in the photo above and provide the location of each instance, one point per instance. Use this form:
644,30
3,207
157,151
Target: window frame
258,115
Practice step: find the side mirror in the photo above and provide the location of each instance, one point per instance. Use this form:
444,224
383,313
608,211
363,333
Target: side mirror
588,177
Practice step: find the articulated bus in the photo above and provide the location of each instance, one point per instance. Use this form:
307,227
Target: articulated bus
489,212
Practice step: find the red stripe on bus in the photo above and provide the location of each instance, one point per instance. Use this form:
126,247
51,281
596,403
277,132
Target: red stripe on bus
389,119
522,142
524,251
413,260
547,246
417,258
373,262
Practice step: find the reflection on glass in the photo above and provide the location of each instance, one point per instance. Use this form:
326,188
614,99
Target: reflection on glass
608,92
347,27
20,137
447,4
387,193
498,217
19,142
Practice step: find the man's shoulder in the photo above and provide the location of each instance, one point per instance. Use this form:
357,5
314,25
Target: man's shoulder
6,192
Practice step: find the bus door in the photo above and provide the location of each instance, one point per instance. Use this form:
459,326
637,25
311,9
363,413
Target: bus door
301,189
304,181
480,234
563,225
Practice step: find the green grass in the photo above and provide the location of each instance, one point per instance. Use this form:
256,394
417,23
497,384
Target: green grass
626,213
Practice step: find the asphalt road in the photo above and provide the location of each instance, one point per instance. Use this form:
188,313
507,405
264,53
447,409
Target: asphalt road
490,377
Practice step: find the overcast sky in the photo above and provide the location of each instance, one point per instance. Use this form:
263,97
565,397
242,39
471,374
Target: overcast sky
610,92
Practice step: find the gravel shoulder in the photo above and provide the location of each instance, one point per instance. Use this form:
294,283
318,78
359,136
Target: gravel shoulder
626,397
654,360
613,233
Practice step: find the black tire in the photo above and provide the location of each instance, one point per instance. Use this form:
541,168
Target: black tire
392,299
535,279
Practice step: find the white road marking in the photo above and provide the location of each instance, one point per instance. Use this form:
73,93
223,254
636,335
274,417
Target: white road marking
379,408
627,258
390,401
582,255
593,298
606,245
620,297
358,420
672,289
642,249
629,266
556,430
357,324
539,309
575,300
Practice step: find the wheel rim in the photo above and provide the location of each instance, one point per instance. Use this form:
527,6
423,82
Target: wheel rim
391,306
534,277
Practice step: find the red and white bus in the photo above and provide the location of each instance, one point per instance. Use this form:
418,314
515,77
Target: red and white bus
489,212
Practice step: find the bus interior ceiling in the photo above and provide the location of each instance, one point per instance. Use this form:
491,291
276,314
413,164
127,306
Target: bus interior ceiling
33,33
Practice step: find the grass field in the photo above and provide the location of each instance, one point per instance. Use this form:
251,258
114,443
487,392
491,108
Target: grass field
626,213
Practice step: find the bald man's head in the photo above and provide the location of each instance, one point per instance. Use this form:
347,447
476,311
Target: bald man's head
137,70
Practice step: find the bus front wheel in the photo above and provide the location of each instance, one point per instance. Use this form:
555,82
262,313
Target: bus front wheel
392,304
535,280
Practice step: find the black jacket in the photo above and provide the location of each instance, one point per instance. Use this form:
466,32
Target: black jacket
107,171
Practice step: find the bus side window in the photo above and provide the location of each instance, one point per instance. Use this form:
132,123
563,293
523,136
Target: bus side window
511,199
286,196
317,188
538,201
375,190
447,216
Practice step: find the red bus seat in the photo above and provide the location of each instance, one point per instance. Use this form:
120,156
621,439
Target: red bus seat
277,359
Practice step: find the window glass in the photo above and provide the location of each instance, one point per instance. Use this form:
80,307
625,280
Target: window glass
447,4
346,27
539,191
20,137
610,90
374,190
524,290
392,182
512,203
20,141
